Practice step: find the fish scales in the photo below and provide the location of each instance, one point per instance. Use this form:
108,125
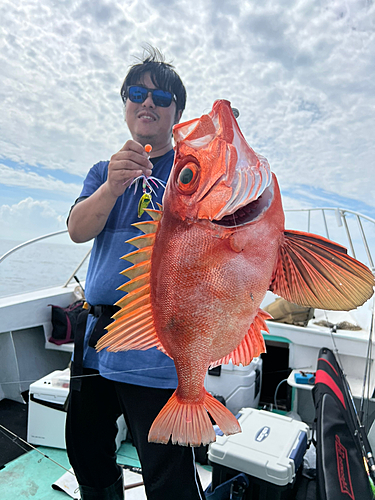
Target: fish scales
212,253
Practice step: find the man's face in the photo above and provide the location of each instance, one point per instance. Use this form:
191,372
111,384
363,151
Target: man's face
149,123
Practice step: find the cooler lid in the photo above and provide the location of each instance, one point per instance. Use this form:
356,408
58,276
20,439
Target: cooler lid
270,446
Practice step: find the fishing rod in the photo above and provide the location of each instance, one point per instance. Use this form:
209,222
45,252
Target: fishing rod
367,373
360,432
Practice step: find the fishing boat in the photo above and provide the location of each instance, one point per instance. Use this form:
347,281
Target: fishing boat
27,355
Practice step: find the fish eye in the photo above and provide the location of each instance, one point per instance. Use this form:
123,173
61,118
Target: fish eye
187,175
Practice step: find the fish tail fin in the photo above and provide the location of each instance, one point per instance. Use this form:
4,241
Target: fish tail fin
189,423
227,422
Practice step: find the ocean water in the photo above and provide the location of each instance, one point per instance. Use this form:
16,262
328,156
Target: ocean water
51,262
41,265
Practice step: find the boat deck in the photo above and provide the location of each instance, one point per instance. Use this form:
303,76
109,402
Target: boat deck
31,475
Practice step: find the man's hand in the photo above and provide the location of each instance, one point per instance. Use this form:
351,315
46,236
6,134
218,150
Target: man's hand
130,162
88,218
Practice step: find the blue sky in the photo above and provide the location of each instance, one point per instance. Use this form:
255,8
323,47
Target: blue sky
301,73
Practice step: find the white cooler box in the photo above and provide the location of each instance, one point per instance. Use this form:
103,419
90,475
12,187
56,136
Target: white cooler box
269,450
46,419
240,386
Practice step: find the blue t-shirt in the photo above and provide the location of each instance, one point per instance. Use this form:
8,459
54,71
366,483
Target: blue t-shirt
149,368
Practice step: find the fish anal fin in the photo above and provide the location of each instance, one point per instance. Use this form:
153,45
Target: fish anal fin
188,424
252,344
316,272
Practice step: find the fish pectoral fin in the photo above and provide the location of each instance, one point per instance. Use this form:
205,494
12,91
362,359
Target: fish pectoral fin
252,344
316,272
189,424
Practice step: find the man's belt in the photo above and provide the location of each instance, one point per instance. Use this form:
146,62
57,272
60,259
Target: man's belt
104,314
100,309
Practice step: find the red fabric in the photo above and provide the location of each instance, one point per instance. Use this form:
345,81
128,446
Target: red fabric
322,377
326,361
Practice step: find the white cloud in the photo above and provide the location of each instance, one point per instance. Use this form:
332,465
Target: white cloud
30,218
300,72
22,178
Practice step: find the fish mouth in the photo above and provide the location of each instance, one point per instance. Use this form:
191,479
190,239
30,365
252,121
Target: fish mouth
248,213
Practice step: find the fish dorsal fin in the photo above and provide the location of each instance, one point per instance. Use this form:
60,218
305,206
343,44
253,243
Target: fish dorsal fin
145,240
137,269
155,214
138,256
133,325
147,227
313,271
252,344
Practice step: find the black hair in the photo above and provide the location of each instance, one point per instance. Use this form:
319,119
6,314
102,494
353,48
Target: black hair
162,74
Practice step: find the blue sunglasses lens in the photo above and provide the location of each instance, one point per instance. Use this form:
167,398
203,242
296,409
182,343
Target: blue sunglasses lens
137,94
161,98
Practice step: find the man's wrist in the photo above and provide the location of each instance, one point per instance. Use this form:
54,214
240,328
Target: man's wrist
107,192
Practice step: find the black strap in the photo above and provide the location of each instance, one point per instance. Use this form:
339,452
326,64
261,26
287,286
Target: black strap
77,365
104,314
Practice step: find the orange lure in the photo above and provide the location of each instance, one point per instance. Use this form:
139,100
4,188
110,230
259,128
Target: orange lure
205,263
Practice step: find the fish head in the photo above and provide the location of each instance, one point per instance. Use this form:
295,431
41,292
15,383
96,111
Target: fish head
215,172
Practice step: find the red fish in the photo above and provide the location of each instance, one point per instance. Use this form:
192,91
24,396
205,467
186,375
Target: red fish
205,263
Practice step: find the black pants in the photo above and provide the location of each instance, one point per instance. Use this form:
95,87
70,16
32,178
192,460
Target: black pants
168,470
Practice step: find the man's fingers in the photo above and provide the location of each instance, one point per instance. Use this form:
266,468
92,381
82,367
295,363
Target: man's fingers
130,160
135,146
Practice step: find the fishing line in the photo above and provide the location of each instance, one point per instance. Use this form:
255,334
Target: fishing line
129,467
31,446
2,429
93,374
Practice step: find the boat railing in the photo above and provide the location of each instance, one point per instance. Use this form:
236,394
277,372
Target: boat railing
43,237
342,217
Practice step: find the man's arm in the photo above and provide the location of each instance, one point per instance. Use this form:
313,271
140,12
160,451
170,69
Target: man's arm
88,218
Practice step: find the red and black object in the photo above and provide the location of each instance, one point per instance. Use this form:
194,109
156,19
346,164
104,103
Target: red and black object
341,441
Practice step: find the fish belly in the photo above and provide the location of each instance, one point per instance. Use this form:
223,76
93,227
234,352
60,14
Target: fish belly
204,298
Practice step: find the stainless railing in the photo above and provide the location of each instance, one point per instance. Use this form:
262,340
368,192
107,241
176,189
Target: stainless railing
39,238
342,217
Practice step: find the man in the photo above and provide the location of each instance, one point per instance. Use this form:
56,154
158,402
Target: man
135,383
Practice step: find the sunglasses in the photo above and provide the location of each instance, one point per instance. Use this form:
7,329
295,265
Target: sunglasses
138,94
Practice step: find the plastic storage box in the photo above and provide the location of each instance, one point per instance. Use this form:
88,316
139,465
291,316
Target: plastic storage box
269,450
46,418
239,385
